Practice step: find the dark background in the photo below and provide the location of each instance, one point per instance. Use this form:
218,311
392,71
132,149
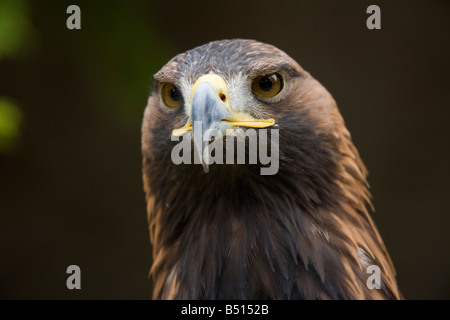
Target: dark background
72,101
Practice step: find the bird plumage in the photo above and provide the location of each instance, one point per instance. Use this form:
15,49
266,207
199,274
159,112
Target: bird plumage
231,233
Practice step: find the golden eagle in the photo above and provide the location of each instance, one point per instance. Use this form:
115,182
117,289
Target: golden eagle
227,231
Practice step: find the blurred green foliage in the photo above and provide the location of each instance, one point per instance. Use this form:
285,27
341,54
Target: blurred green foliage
117,54
15,26
124,51
15,30
10,123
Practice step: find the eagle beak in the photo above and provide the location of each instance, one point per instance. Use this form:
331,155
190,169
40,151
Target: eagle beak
211,110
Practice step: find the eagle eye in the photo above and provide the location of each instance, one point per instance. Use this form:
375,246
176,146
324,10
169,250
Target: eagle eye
268,85
171,95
